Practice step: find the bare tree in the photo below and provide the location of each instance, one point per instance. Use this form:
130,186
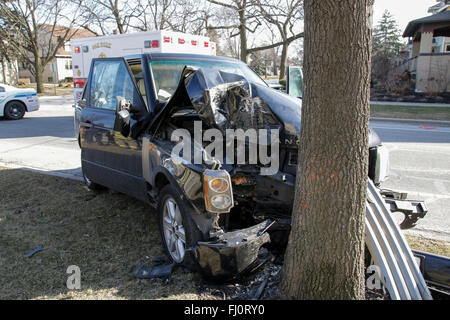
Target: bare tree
32,28
105,16
242,17
324,257
176,15
246,16
285,16
155,14
7,55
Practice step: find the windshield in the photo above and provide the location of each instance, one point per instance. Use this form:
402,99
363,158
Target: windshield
167,73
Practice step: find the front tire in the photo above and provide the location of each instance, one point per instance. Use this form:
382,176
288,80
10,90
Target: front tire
14,110
177,229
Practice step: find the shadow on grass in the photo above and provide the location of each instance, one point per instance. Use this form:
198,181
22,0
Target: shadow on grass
105,234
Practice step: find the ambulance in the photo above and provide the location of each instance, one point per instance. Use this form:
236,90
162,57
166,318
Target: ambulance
120,45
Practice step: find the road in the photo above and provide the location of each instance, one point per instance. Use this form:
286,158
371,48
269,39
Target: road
419,156
43,140
420,166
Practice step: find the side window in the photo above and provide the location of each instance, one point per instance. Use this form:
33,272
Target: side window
110,79
2,89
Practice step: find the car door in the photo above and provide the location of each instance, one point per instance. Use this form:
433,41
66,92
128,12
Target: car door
108,157
294,81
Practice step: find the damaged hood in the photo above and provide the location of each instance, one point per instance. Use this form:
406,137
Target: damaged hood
229,101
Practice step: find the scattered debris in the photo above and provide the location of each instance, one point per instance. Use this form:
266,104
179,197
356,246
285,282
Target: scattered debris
259,290
262,284
160,260
34,251
157,271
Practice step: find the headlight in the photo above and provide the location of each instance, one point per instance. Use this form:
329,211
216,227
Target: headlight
221,201
218,185
217,191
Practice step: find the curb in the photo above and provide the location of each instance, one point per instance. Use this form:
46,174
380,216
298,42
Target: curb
435,122
43,171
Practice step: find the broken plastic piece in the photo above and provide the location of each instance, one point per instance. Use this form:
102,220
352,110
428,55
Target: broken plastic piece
160,271
222,261
34,251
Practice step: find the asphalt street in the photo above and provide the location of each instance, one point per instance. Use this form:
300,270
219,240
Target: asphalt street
420,165
43,140
419,156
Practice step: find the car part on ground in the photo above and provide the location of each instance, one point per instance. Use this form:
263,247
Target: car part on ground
391,253
158,271
233,253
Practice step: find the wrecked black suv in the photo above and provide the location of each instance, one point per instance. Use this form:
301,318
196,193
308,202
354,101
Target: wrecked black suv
214,214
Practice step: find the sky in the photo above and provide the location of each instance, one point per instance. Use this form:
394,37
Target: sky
402,10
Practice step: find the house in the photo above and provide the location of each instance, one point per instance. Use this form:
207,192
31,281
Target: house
60,67
429,57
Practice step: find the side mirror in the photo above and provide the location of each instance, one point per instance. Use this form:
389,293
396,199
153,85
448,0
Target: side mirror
122,121
124,104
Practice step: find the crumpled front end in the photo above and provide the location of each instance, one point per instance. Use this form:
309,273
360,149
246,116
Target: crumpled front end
233,254
222,101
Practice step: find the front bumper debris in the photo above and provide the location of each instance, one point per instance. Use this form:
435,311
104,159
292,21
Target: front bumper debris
412,209
234,253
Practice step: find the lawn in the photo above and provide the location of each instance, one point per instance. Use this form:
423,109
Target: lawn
51,89
106,235
410,112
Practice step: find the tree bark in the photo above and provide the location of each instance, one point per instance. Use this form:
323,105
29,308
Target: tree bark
283,60
324,256
243,35
4,67
38,73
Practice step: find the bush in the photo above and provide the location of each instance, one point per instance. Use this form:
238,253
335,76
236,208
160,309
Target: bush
68,79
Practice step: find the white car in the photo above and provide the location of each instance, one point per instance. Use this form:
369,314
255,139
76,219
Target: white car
14,102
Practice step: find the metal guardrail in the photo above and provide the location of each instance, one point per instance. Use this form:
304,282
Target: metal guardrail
390,251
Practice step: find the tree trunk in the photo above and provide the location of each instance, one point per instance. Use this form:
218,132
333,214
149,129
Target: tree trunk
324,257
283,60
243,35
4,67
38,70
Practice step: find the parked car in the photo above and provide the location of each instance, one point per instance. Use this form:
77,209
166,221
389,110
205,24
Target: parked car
214,216
14,102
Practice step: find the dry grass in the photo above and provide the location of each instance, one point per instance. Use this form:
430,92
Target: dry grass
105,234
51,89
428,245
